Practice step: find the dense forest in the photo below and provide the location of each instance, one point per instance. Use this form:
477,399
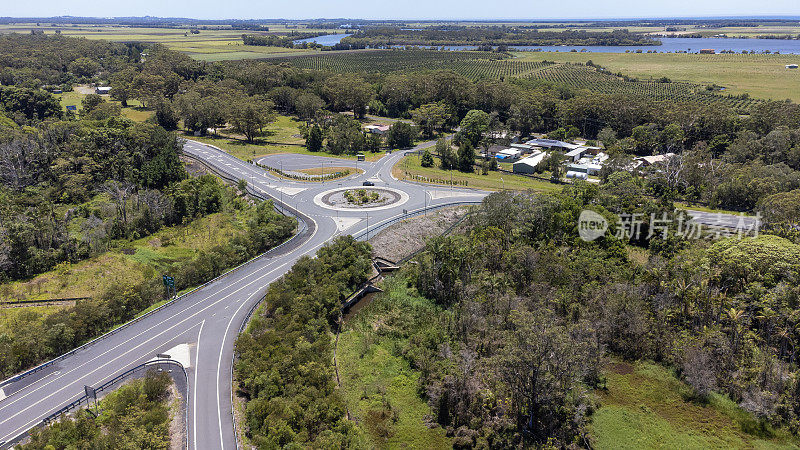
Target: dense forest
495,35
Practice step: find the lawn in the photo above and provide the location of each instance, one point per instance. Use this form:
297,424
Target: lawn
133,111
378,385
761,76
283,136
645,406
409,168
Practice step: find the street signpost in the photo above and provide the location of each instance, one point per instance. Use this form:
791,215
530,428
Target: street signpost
169,283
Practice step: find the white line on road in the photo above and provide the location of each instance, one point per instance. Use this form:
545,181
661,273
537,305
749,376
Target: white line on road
196,370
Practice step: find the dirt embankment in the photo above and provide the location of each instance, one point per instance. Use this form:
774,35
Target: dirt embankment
405,238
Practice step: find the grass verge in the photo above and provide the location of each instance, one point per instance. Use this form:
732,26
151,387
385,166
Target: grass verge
379,386
409,168
646,406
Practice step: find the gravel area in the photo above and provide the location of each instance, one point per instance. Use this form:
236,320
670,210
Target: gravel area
405,238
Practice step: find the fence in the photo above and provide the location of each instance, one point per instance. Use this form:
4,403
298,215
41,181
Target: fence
364,234
303,230
109,384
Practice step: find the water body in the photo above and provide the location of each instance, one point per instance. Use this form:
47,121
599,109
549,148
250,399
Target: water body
668,45
327,39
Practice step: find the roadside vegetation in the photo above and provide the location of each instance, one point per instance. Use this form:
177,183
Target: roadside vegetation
284,367
138,414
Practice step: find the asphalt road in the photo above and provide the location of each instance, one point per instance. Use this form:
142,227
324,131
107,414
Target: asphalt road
209,319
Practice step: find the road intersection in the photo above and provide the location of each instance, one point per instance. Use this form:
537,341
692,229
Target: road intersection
209,318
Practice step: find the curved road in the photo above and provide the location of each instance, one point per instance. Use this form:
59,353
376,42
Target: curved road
204,323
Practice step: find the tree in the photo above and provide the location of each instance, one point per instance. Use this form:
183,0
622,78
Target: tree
466,157
427,159
307,105
348,92
345,136
166,114
431,117
250,115
122,85
91,101
447,156
401,135
542,363
84,67
474,125
672,137
314,139
607,136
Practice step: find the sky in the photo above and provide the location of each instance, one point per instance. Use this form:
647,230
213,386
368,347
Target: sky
403,10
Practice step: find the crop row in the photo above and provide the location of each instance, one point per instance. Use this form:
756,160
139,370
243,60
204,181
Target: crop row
581,77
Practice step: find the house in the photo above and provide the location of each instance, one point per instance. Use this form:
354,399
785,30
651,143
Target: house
552,144
102,90
509,155
377,129
584,169
576,154
528,165
707,51
791,66
654,159
493,150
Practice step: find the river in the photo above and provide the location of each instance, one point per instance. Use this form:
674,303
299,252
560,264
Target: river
668,45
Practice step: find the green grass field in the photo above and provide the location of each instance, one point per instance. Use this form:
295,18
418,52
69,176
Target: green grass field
134,111
761,76
378,384
208,45
645,406
409,168
283,136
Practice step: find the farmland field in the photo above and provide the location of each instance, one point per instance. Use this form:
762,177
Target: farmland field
761,76
208,45
477,65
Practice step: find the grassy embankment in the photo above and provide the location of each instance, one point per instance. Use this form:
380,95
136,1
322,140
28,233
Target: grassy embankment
125,262
378,384
761,76
645,406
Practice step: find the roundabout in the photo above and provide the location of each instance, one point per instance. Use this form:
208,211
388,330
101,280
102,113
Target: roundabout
360,198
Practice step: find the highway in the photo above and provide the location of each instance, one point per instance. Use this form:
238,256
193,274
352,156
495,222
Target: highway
207,320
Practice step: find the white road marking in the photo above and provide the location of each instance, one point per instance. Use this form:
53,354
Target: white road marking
343,223
180,353
29,424
194,401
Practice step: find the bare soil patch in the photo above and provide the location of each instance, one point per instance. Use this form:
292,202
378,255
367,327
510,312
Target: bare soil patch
407,237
